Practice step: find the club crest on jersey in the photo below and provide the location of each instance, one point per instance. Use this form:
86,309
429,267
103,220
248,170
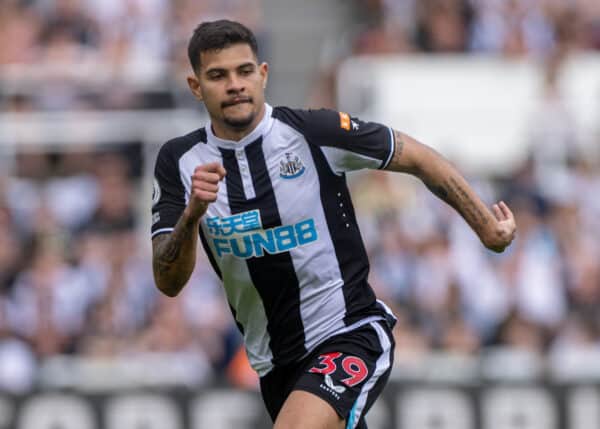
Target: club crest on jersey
291,167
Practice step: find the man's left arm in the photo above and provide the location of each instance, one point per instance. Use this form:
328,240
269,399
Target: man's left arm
496,228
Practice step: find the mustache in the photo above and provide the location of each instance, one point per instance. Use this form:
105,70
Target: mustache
236,100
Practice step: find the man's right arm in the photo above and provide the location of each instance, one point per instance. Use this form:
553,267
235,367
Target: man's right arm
174,253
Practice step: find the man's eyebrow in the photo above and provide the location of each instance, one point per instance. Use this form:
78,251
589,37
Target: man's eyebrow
215,70
224,70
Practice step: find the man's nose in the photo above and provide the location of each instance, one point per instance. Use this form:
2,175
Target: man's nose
234,84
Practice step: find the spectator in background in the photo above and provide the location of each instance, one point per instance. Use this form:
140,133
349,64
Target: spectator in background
536,275
553,136
580,255
71,190
511,27
454,333
579,332
412,343
124,304
115,207
521,334
138,43
591,16
49,299
19,31
442,25
11,256
92,46
17,360
68,19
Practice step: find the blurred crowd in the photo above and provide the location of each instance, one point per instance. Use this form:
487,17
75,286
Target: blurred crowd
510,27
76,276
104,54
539,29
541,295
75,270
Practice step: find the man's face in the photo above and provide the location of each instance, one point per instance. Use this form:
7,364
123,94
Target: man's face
231,83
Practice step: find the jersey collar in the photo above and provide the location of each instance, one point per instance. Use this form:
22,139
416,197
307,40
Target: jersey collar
261,129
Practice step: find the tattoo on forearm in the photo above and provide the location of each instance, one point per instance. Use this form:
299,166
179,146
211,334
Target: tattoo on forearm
454,194
439,191
168,249
168,253
469,204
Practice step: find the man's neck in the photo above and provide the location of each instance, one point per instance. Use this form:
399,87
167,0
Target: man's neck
222,131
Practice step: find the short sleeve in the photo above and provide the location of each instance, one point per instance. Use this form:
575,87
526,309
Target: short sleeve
168,193
349,143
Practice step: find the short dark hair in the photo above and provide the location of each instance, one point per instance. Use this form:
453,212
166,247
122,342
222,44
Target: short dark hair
214,35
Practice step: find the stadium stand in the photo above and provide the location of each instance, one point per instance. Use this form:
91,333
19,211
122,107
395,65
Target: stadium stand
89,89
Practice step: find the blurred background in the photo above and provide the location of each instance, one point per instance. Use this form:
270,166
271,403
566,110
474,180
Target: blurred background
509,90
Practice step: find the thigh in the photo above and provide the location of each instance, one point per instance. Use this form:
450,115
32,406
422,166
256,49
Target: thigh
304,410
276,386
349,371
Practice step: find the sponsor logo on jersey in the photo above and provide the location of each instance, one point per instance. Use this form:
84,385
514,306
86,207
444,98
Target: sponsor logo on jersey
155,192
344,121
290,167
243,236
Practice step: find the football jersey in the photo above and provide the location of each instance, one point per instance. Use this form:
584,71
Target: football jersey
282,235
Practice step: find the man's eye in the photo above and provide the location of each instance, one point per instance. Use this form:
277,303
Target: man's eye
246,72
215,76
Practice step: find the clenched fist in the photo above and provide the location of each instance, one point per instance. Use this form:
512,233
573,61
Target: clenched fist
505,228
205,186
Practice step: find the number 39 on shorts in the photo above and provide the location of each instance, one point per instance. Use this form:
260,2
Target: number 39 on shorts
354,367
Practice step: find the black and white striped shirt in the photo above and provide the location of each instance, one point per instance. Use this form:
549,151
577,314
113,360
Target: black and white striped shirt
282,235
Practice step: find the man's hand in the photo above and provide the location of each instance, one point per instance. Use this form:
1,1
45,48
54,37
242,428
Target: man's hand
205,186
174,254
505,228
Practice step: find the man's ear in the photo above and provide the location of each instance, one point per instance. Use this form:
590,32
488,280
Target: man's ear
194,85
263,69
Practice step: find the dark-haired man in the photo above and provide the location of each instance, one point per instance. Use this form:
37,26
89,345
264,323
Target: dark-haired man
264,188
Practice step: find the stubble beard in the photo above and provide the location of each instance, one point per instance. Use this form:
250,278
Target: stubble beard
239,123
